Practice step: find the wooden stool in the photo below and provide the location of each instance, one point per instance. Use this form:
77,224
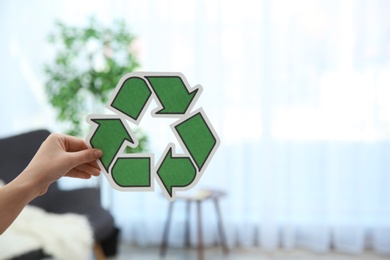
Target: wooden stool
199,197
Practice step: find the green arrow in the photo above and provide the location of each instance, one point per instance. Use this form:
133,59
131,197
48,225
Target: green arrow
197,138
132,97
176,172
132,171
109,137
172,94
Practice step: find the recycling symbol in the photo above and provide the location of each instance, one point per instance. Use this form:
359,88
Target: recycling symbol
136,171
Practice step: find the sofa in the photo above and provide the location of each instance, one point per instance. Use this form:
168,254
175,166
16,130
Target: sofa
15,154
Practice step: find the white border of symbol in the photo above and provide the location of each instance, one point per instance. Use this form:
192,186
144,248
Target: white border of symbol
182,118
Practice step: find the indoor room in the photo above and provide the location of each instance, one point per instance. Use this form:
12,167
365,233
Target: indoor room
261,129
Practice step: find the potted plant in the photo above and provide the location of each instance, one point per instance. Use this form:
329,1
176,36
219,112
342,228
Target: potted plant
87,65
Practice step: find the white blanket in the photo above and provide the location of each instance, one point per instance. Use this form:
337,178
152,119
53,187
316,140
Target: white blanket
63,236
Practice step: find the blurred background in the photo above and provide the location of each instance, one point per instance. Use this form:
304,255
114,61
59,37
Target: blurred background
298,92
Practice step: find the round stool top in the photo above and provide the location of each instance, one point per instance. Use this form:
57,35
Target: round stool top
200,195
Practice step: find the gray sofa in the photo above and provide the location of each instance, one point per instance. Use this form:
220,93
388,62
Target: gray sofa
15,154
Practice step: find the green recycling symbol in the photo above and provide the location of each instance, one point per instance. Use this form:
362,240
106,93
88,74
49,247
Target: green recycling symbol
129,101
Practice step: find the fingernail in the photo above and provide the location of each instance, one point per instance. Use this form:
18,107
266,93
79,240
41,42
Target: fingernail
97,153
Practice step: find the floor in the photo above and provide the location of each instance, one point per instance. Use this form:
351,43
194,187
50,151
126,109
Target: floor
132,252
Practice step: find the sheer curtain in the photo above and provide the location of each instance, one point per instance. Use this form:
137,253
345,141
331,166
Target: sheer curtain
298,92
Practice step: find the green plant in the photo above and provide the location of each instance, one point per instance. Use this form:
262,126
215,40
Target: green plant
88,63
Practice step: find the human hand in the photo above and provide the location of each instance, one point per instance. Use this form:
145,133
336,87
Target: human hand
58,156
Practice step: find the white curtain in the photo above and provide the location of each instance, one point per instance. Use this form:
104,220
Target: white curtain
298,92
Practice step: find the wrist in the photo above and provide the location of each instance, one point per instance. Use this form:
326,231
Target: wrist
29,182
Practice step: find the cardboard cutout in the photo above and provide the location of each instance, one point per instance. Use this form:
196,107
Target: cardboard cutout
129,101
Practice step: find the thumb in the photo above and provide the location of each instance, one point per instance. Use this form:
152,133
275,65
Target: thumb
85,156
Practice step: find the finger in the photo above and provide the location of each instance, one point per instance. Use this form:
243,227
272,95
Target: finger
78,174
84,156
94,165
87,168
73,143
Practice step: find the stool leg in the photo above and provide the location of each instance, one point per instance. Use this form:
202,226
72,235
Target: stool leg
220,227
200,237
187,241
164,244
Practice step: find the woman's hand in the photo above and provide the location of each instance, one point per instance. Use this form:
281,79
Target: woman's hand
58,156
